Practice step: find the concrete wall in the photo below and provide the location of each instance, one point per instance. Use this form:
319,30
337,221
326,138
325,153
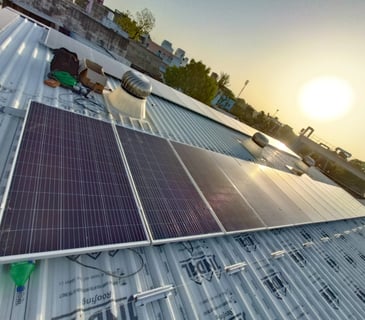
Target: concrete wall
75,19
144,60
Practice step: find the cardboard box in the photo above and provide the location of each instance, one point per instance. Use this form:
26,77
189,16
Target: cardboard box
92,75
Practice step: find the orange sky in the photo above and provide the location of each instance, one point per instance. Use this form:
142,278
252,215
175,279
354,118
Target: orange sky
279,46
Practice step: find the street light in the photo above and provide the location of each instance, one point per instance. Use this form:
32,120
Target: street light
244,86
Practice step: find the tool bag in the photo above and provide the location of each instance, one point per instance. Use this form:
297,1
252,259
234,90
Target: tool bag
65,60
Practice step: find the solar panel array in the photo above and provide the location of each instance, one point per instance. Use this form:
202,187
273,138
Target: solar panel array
230,206
69,189
79,184
172,204
245,195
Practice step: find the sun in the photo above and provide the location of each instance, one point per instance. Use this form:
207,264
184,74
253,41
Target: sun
326,98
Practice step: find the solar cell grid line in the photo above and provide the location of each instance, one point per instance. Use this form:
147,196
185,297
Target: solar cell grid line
171,203
69,189
231,208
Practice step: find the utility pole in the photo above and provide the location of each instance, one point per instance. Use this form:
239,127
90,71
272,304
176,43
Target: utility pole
244,86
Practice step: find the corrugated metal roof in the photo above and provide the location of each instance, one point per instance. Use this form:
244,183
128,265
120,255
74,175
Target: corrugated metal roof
304,272
323,280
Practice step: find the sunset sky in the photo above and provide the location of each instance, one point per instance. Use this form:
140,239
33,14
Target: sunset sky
280,47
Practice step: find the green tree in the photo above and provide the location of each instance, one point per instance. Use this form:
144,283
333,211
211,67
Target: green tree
82,3
145,22
193,80
136,27
223,80
223,83
261,122
286,134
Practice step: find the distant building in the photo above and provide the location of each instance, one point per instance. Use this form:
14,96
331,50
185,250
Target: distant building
108,21
327,156
167,45
166,52
143,60
179,58
222,101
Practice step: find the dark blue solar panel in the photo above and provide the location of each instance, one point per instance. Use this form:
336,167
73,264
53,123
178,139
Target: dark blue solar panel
70,188
230,207
172,205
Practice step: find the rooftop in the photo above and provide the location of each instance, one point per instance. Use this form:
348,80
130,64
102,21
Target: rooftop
303,270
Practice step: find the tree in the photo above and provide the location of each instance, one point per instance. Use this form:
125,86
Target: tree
82,3
135,27
194,80
145,22
223,80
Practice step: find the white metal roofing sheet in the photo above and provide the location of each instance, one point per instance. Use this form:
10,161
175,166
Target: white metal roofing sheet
319,276
321,281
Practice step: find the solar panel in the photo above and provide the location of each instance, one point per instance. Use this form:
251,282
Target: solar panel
230,207
272,205
340,203
69,188
292,187
172,204
245,195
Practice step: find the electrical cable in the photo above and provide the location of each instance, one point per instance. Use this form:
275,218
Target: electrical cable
110,273
89,104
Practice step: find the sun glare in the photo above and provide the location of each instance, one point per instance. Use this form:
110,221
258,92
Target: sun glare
326,98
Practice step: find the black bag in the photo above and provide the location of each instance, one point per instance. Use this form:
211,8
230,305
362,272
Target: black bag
65,60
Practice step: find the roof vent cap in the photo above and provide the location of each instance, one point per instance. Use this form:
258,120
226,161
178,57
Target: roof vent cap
260,139
136,84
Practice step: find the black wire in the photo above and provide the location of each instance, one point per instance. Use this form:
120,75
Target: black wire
110,273
87,103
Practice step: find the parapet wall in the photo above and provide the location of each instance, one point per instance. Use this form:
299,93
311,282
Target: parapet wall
72,17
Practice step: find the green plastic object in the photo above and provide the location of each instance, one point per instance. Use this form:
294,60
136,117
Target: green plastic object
20,273
64,78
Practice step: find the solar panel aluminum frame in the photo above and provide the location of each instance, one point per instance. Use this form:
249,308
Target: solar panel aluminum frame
65,252
188,238
12,169
134,188
70,252
9,259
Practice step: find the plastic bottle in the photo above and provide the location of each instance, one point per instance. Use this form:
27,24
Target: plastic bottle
20,273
